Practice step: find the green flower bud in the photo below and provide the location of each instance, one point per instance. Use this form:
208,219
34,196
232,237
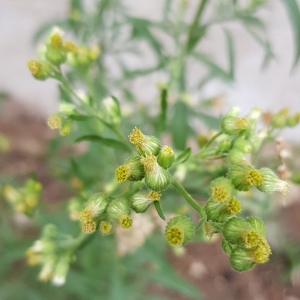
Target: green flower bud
209,229
157,178
251,127
133,170
166,157
220,212
140,202
236,156
233,112
56,53
56,121
61,271
248,233
226,246
96,206
292,121
233,125
119,209
221,189
112,110
180,230
39,70
66,127
271,183
242,145
240,260
224,145
279,120
144,144
244,176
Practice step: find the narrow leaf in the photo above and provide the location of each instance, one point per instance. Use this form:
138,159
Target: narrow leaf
104,141
230,52
294,14
183,157
163,114
159,210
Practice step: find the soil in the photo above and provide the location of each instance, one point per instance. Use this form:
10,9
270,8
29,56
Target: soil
203,264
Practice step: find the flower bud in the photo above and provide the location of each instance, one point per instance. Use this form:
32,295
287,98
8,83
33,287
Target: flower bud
247,233
233,125
224,145
144,144
70,47
66,127
88,226
240,260
157,178
233,112
292,121
233,206
180,230
96,206
133,170
119,210
166,157
226,247
271,183
244,176
105,227
140,203
236,156
56,53
56,121
221,189
61,271
39,70
112,110
242,145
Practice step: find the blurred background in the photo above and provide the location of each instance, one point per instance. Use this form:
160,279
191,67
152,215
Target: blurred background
201,271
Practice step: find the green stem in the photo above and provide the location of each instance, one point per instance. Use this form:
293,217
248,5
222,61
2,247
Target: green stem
196,21
195,204
204,152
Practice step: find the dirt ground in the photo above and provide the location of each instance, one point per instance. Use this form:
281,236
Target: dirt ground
203,264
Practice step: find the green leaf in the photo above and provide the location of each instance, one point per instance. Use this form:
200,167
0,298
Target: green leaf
214,68
159,210
163,114
179,125
294,14
80,118
167,9
230,52
64,95
195,37
104,141
183,157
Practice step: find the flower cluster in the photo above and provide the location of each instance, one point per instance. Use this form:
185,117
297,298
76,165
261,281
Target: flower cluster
25,199
54,253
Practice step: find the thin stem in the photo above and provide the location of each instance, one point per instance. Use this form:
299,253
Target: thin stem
196,21
204,152
195,204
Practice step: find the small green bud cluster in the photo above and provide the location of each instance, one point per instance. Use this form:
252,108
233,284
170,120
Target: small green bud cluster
151,164
58,52
60,122
25,199
245,241
101,212
283,119
51,253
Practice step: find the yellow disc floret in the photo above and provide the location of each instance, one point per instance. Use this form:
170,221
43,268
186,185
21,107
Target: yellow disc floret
174,236
105,227
86,215
70,47
122,173
233,206
56,40
241,123
55,122
261,253
219,193
149,162
88,226
125,222
154,195
251,239
35,67
167,150
254,177
136,137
